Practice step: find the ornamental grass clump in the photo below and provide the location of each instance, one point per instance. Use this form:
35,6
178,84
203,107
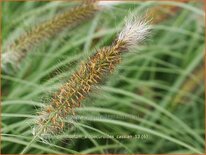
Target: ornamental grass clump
51,119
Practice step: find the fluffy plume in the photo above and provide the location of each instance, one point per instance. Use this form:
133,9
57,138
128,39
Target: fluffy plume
90,74
134,32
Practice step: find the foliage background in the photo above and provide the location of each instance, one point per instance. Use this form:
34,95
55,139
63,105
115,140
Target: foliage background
156,93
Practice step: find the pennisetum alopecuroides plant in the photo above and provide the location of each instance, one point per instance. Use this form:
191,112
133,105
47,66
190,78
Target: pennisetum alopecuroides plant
70,95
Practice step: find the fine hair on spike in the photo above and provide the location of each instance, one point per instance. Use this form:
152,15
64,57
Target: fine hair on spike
86,78
136,29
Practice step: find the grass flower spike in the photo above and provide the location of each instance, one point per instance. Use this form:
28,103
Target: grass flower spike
189,87
26,42
90,74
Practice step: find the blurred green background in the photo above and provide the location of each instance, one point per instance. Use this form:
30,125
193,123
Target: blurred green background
155,96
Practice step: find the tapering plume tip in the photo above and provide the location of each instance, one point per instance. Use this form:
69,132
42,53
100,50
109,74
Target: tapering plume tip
136,29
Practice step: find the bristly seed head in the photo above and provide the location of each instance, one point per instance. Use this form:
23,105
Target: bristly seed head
28,41
90,74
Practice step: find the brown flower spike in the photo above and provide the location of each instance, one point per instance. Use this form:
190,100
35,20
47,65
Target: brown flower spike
90,74
42,32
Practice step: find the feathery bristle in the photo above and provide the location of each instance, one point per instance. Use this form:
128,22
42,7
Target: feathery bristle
90,74
134,31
